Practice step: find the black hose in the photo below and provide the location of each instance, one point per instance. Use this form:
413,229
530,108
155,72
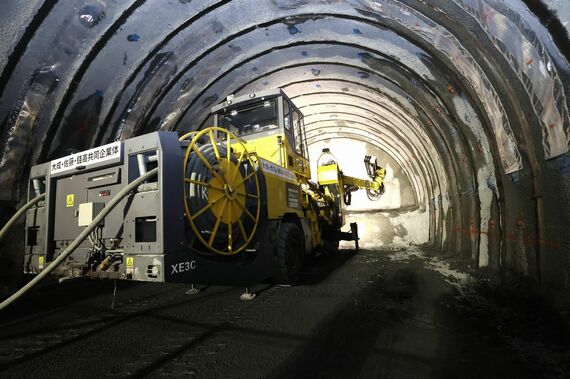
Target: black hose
198,197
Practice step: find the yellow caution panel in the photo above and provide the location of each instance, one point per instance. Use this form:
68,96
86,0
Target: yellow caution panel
70,200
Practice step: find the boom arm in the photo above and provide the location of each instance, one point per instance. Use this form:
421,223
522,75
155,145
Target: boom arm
330,175
374,187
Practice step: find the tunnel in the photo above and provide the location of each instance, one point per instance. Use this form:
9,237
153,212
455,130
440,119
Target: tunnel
464,102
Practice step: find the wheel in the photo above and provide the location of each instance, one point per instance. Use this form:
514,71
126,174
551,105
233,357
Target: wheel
289,254
330,244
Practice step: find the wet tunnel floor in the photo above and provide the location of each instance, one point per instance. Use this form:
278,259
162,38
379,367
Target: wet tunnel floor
377,314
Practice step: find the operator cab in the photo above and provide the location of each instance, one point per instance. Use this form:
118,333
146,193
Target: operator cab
267,121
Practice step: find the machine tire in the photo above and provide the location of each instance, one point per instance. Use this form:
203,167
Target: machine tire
330,245
289,254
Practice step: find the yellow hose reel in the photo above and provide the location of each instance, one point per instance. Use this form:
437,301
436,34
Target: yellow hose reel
221,190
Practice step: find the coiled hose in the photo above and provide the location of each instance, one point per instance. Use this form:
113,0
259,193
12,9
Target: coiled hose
80,238
200,197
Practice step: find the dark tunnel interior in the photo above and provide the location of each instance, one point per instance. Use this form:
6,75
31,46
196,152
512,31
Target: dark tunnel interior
464,101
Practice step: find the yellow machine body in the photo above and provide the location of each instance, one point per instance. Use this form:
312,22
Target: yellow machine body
272,154
268,129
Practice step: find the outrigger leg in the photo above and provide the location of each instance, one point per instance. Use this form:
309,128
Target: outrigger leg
351,236
193,290
247,295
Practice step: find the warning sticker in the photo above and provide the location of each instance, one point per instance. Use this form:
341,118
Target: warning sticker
130,262
70,200
41,262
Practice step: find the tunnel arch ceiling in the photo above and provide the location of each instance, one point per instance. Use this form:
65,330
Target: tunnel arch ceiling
468,97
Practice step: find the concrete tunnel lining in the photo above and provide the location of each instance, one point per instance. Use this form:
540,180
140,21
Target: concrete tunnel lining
480,124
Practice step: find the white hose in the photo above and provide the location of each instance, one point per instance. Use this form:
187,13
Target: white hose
75,244
19,214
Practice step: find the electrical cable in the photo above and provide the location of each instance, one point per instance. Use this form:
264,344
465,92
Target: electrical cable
19,214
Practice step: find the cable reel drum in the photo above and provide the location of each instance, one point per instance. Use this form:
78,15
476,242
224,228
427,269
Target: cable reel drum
222,194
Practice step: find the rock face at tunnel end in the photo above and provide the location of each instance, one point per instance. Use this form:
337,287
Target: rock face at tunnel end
465,100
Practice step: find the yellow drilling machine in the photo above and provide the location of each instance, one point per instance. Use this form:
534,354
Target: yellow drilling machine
230,204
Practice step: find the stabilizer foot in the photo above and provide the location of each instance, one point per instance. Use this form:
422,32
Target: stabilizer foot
246,296
354,232
193,290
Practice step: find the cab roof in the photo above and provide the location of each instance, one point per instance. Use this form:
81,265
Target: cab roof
254,97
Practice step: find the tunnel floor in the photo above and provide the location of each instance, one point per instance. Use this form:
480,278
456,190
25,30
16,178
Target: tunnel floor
394,313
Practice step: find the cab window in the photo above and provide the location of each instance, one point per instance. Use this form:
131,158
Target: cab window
286,115
305,148
250,119
297,120
287,123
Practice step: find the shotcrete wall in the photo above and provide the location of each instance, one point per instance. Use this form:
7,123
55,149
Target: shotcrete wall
467,99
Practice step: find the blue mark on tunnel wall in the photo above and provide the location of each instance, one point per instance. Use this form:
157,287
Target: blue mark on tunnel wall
293,29
217,27
235,48
356,31
133,37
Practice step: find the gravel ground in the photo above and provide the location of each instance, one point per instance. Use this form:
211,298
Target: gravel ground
392,313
